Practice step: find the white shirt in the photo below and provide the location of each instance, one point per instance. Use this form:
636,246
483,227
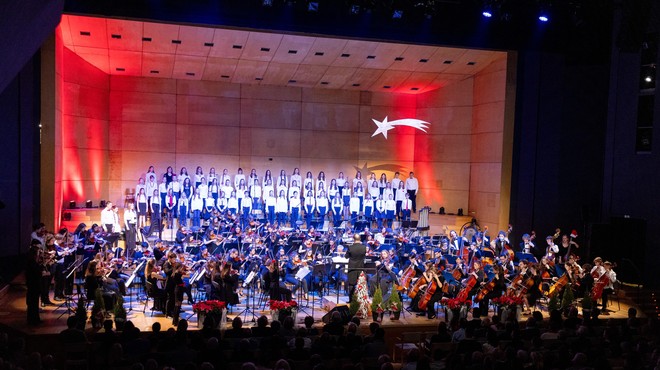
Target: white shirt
368,203
297,179
337,203
198,177
150,187
140,186
310,202
232,203
412,184
227,190
255,191
196,204
294,202
271,201
238,178
162,187
130,217
246,203
221,204
175,186
374,191
210,203
282,205
322,202
406,205
390,205
167,201
380,206
341,181
107,217
354,205
203,190
395,183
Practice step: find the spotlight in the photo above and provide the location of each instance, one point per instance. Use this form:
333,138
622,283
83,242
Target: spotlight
267,3
88,204
72,204
102,204
648,79
397,14
487,13
67,216
313,7
543,17
460,211
355,9
442,210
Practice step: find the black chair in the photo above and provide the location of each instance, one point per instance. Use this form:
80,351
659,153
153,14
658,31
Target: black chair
157,298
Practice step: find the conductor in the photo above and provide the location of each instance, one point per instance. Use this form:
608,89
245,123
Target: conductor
355,254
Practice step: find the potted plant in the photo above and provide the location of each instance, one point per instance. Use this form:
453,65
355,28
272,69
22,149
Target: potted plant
214,308
567,300
81,314
377,305
353,306
120,313
98,309
509,307
394,304
553,303
282,309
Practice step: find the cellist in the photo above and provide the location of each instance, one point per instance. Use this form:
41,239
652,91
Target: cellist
429,299
609,287
497,287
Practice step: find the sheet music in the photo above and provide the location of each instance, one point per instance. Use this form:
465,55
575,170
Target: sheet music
302,273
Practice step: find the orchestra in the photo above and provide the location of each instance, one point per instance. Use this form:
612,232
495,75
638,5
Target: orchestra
227,238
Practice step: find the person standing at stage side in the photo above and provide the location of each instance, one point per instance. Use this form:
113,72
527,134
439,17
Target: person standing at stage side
33,282
400,197
355,255
196,207
412,186
108,218
141,199
239,176
156,217
130,222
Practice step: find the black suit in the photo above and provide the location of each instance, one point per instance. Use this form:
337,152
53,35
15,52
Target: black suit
355,254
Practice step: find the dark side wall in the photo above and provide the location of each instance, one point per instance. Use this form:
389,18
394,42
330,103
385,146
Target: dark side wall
19,165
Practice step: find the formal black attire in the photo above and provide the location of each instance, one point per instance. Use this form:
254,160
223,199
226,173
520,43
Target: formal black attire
355,254
33,281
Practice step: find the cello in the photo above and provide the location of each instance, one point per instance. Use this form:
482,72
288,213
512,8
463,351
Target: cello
430,290
506,246
469,284
558,285
485,290
417,286
406,278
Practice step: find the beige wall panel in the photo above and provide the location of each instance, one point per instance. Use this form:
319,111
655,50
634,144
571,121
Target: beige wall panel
499,64
220,69
447,120
486,206
331,96
93,136
261,164
458,94
207,140
488,117
487,148
397,148
489,87
115,135
271,143
142,84
271,93
331,167
448,176
136,163
328,144
442,148
203,110
85,164
130,32
452,200
330,117
93,190
161,37
368,113
160,66
148,136
270,113
142,107
389,99
116,195
85,101
309,75
208,88
114,164
486,177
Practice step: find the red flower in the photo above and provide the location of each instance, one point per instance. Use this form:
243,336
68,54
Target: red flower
207,307
282,305
455,303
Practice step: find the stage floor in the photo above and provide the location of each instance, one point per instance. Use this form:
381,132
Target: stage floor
13,313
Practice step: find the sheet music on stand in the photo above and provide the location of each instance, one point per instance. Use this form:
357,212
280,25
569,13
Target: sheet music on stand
302,273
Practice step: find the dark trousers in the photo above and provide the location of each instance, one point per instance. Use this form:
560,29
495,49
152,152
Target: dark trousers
32,302
605,297
413,199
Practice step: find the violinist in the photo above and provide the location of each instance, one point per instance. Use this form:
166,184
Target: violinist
276,289
386,274
609,287
508,268
456,242
586,282
573,270
337,271
436,279
176,279
548,274
234,259
460,269
155,277
531,288
439,260
497,286
227,284
292,267
168,269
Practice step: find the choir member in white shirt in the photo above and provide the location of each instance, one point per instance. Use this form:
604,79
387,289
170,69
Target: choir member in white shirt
140,185
156,220
151,172
227,189
212,175
412,186
337,205
400,196
169,174
232,204
108,218
382,184
359,191
187,188
294,207
390,209
271,202
374,190
183,175
151,186
209,206
221,204
239,176
388,191
203,189
246,209
341,183
268,176
346,197
130,222
395,182
253,178
281,208
333,190
368,210
406,206
294,188
196,207
309,179
380,211
240,192
170,207
214,189
308,187
199,176
182,212
296,177
224,177
268,187
358,180
322,208
354,208
255,194
162,189
142,200
310,205
320,181
282,179
320,189
282,186
175,185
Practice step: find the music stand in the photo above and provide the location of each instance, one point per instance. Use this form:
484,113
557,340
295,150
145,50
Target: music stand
520,256
68,298
129,282
250,289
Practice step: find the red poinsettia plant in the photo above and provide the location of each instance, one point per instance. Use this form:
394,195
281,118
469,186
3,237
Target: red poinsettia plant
508,301
455,303
210,307
282,305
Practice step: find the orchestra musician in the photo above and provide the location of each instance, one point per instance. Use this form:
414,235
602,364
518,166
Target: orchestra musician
356,253
609,287
156,278
386,274
168,270
532,289
179,270
500,243
130,222
573,270
551,250
227,284
568,245
498,286
527,246
434,278
292,267
276,289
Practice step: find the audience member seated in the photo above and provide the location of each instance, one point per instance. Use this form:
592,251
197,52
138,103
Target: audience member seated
262,329
334,327
443,335
72,334
237,331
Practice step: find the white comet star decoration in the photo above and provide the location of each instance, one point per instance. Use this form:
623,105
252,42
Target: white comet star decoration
385,125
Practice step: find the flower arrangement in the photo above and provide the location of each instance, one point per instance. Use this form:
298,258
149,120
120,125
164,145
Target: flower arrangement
210,307
456,303
282,305
508,301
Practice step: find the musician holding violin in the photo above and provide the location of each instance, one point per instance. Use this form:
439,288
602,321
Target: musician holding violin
386,274
291,269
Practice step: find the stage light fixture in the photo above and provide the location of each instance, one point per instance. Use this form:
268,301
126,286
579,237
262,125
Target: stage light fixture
543,17
442,210
460,212
267,3
648,79
397,14
487,12
102,203
355,9
313,7
88,204
72,204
